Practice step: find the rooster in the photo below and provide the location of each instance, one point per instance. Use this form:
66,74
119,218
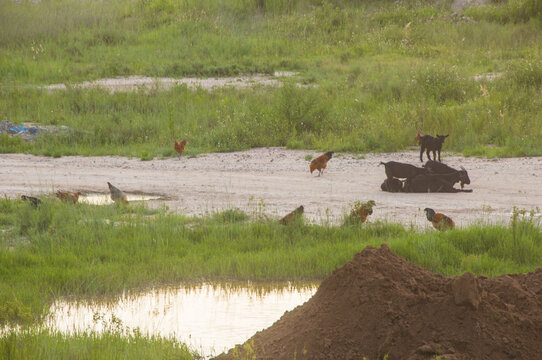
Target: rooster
68,196
419,137
33,200
320,162
179,147
361,211
117,195
291,217
440,221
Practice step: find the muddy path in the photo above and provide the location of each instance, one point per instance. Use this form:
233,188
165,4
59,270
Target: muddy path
276,181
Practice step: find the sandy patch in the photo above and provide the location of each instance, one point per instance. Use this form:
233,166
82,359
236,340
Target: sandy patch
462,4
278,180
487,77
134,83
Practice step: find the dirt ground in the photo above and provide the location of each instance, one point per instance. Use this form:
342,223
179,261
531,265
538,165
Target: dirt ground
137,82
380,306
276,181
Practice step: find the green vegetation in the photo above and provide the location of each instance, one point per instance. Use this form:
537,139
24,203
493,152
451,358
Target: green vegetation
374,73
98,251
44,345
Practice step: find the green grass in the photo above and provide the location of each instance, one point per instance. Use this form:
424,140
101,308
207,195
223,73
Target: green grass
88,251
44,345
372,80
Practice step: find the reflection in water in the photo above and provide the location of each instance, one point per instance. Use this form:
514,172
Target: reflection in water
105,199
208,318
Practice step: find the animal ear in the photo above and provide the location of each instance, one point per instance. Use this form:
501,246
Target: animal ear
446,135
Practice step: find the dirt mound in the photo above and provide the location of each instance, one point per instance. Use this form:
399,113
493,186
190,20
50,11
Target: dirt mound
380,304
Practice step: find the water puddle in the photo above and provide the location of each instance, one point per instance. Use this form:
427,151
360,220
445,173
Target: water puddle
105,199
209,318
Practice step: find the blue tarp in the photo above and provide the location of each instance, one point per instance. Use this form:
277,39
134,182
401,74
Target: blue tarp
17,129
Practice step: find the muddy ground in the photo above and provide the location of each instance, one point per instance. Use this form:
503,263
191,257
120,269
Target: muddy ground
280,180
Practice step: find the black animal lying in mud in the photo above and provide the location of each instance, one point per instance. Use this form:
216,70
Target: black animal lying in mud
433,183
392,185
433,177
434,167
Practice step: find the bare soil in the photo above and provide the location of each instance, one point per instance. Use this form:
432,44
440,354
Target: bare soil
137,82
379,305
276,181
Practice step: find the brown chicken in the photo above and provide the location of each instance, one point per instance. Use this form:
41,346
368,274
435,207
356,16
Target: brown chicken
68,196
320,163
291,217
440,221
360,211
179,147
116,194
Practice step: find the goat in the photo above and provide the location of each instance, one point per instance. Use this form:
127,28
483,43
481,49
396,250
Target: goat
440,168
429,143
392,185
433,183
401,170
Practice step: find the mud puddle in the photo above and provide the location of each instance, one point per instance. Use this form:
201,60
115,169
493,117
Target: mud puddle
209,318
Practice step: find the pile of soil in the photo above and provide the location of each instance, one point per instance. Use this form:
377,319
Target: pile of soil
379,304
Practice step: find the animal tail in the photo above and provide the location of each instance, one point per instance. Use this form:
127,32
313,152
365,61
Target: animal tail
382,163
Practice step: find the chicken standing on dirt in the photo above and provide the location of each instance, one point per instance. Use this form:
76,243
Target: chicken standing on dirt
179,147
440,221
320,162
68,196
117,195
291,217
33,200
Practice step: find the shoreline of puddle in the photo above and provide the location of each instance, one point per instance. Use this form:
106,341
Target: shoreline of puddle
105,199
209,318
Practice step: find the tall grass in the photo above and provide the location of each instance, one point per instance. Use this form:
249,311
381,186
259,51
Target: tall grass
46,345
372,80
87,251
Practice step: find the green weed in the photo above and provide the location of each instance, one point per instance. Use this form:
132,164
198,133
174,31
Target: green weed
44,344
88,251
372,80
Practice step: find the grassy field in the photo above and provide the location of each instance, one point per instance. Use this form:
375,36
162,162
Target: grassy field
86,251
372,73
376,72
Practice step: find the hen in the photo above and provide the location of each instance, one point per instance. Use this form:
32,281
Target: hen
68,196
33,200
291,217
320,163
360,211
117,195
179,147
440,221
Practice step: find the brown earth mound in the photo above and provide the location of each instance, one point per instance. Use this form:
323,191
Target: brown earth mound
379,304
